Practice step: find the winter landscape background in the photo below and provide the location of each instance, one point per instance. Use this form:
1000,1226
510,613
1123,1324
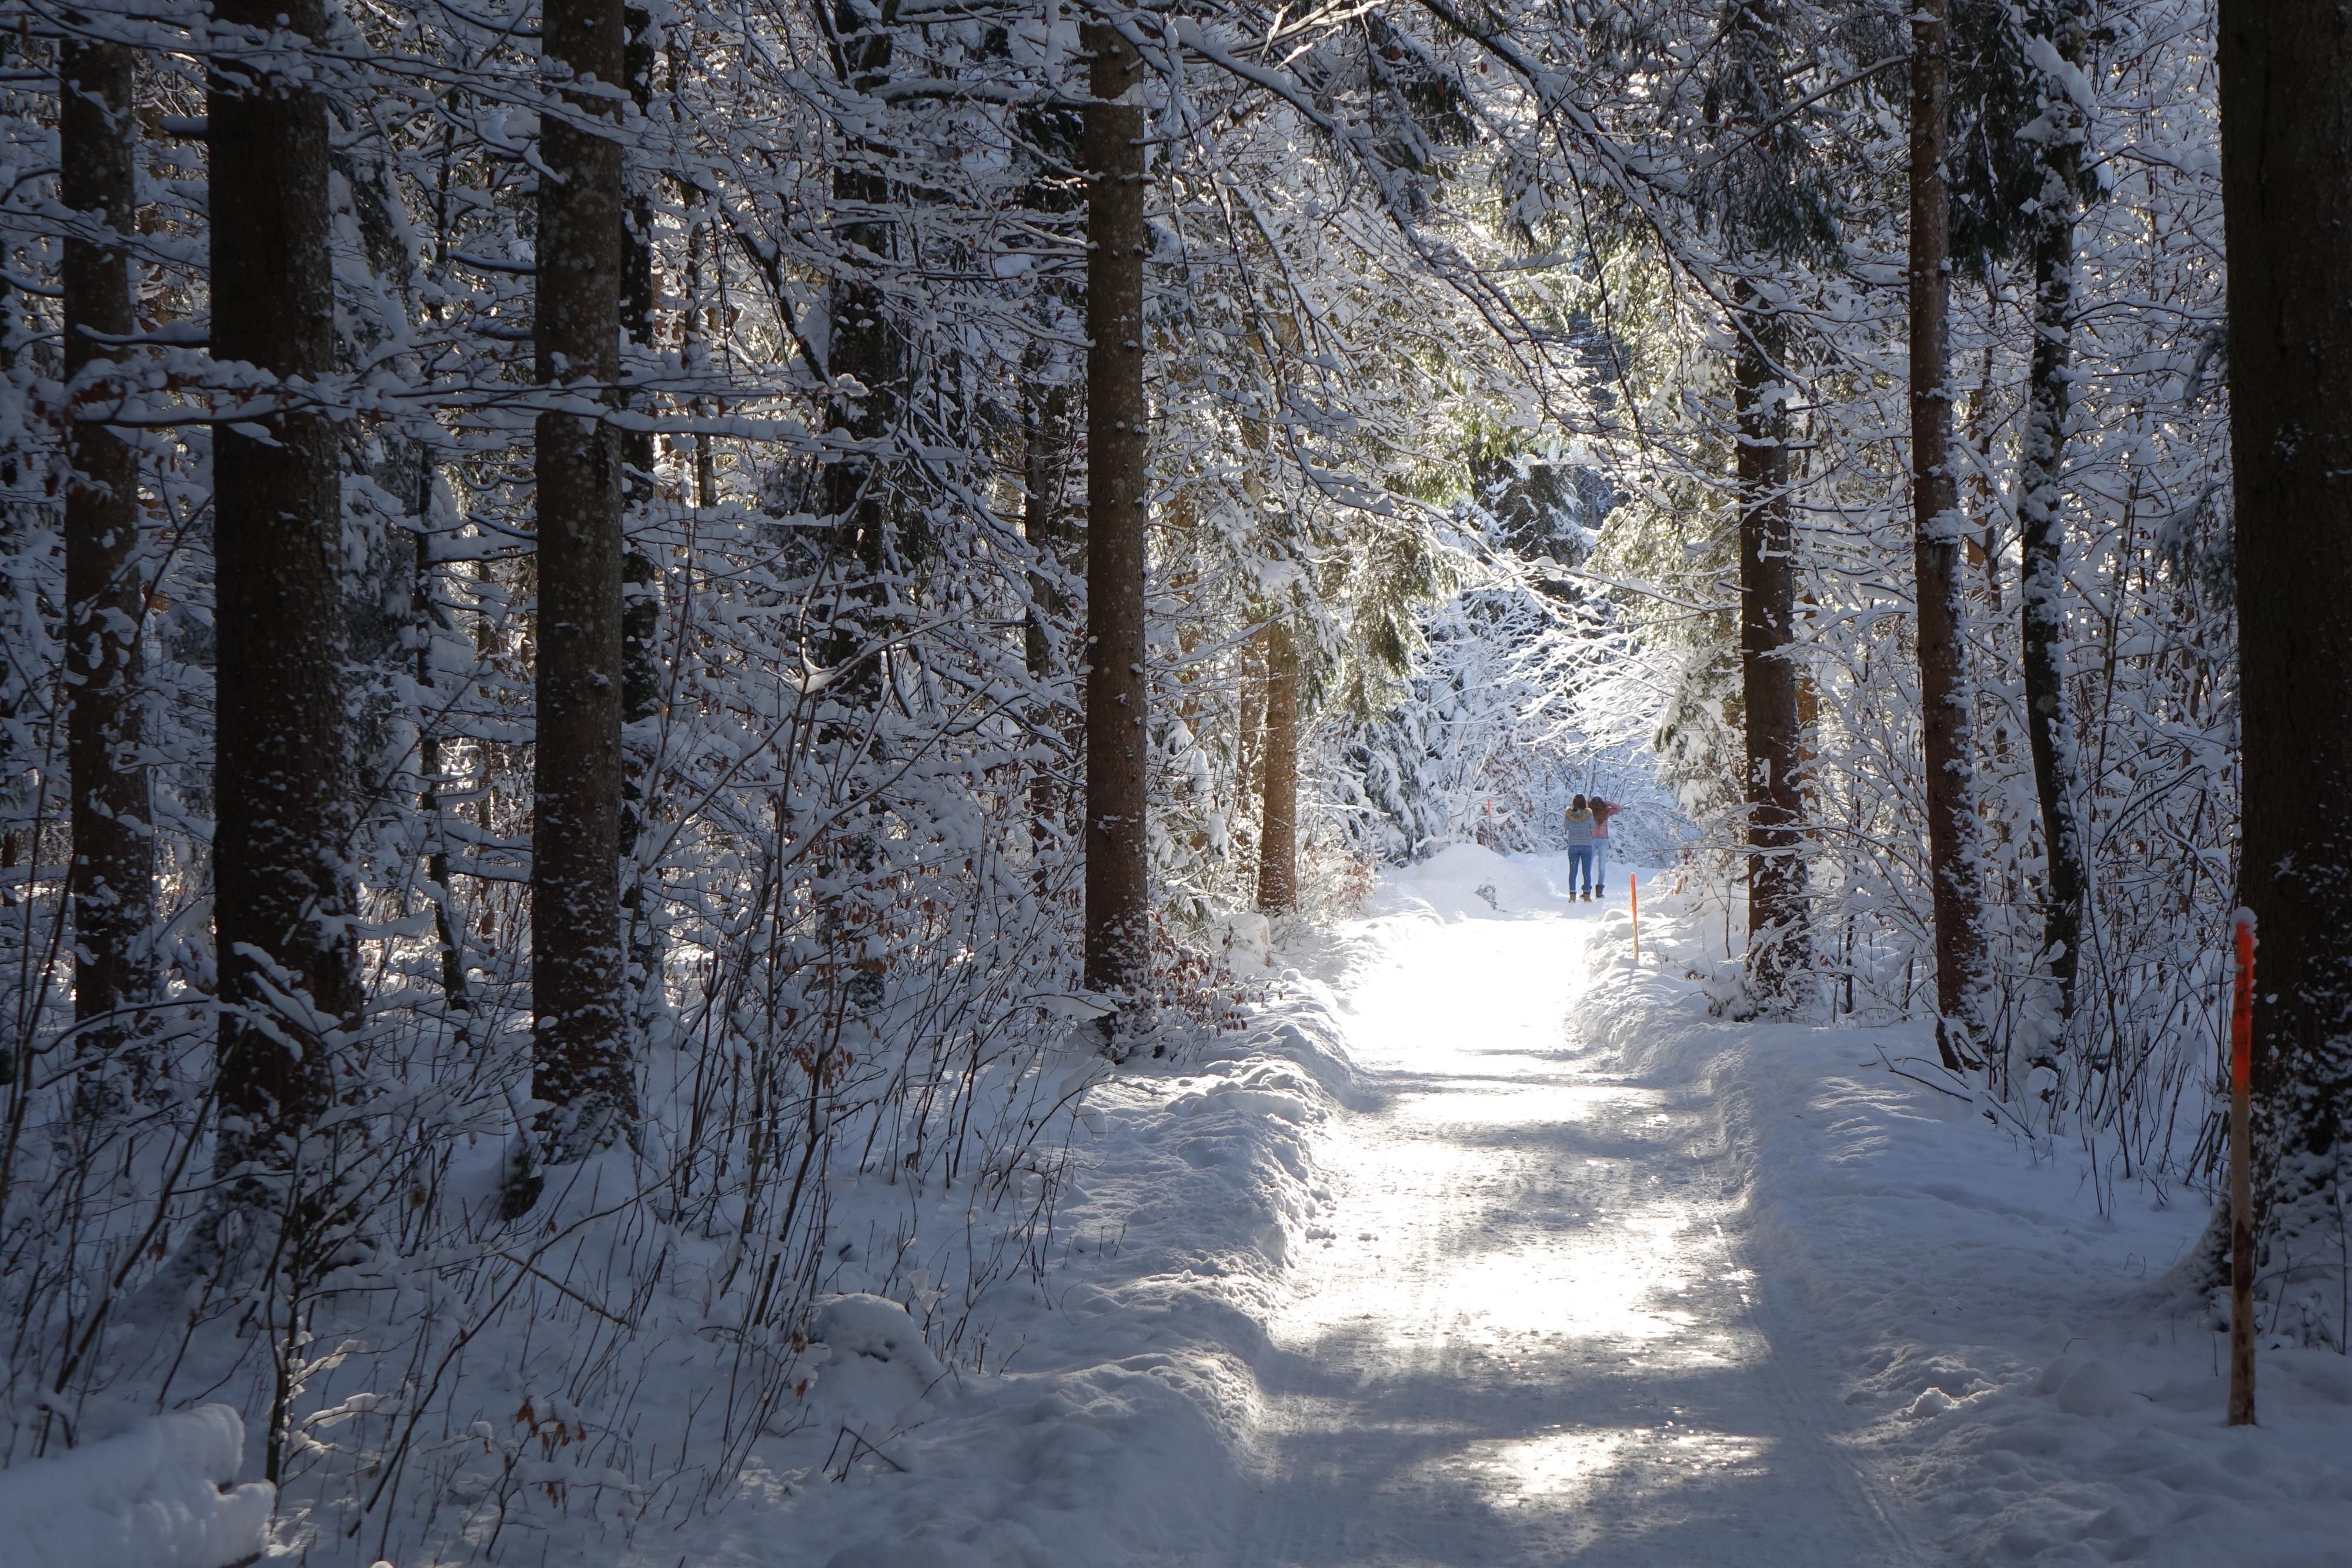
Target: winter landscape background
786,782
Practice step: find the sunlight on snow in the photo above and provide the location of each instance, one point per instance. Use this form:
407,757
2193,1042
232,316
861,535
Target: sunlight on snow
1561,1469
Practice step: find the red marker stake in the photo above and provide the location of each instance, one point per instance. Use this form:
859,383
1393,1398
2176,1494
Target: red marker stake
2242,1201
1634,888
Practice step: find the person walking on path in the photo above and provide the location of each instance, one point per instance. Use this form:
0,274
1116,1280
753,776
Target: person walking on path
1579,846
1601,811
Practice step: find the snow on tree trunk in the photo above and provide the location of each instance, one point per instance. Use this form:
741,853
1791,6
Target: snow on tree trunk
1048,394
281,841
2049,728
113,854
1118,889
580,1053
1778,944
1953,858
425,600
1048,426
866,362
641,667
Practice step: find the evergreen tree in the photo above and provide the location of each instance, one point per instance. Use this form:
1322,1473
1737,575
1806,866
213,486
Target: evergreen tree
106,610
1955,860
2287,125
1118,891
281,845
581,1064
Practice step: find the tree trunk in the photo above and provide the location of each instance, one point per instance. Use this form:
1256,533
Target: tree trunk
282,905
1981,548
864,349
1277,847
1118,888
1778,944
580,1052
1248,764
1049,408
2286,180
1953,859
641,682
1044,470
641,667
1982,566
697,324
2050,730
866,359
1047,416
113,858
430,617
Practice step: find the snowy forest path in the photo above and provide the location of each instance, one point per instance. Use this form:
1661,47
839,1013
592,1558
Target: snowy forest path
1528,1340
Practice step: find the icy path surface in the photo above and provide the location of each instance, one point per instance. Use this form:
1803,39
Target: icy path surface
1528,1340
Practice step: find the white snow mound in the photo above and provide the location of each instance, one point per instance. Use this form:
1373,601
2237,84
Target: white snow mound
156,1497
1105,1406
881,1376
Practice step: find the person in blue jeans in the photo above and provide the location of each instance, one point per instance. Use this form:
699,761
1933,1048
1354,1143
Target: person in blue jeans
1579,847
1601,811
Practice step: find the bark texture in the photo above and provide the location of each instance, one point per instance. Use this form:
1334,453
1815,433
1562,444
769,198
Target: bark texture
1118,889
641,684
865,357
1277,847
641,665
1049,454
581,1059
2287,171
280,844
1045,460
1953,860
1045,512
2041,504
865,360
430,619
114,859
1778,942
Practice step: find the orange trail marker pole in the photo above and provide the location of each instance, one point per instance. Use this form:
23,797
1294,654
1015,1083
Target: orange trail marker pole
1633,887
2242,1199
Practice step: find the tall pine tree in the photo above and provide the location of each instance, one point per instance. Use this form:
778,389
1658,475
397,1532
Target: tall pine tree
1118,886
581,1063
282,841
113,852
1953,866
2287,174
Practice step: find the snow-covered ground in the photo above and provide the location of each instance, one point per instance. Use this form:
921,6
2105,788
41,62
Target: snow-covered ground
1120,1402
157,1496
1480,1243
1534,1336
2017,1361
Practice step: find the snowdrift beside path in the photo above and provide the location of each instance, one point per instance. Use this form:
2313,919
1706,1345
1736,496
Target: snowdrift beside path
2039,1393
155,1496
1118,1424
